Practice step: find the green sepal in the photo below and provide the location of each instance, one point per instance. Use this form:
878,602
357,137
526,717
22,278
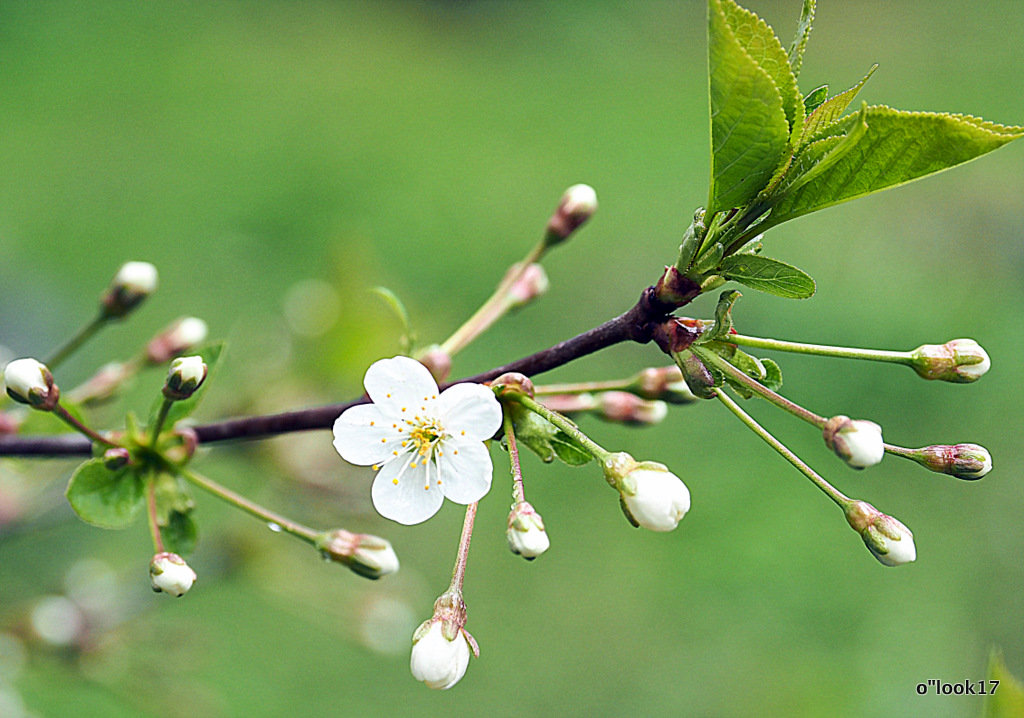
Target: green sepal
211,354
768,275
544,438
750,127
772,375
104,498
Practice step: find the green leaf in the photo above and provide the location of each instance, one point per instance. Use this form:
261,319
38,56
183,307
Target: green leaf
772,375
108,499
828,111
1007,698
179,533
895,148
813,100
768,275
821,155
545,439
568,450
723,318
211,354
803,32
407,339
750,132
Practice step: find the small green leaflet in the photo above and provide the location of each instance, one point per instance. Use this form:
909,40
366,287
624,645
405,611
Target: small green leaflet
803,32
814,99
1004,697
767,275
828,111
104,498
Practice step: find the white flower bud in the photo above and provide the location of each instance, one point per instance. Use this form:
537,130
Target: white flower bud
169,573
627,408
532,284
857,442
887,539
526,535
436,660
133,282
960,361
651,495
29,381
578,204
367,555
184,377
182,335
964,461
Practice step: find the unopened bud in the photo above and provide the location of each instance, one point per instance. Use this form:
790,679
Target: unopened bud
964,461
438,362
515,382
887,539
621,406
133,282
179,337
697,376
441,646
169,573
665,383
367,555
116,457
526,535
104,384
184,377
577,205
28,381
532,284
858,442
651,496
960,361
9,423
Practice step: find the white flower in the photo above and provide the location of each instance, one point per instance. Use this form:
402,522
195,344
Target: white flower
424,446
526,535
435,660
857,442
169,573
653,497
25,376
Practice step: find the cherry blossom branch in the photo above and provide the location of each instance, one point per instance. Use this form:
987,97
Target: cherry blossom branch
635,325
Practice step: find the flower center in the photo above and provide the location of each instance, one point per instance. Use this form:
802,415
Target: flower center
425,434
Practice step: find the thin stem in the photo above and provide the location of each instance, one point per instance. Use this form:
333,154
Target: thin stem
881,355
160,419
518,492
250,507
495,306
63,414
901,451
567,426
709,357
840,498
585,387
69,347
459,572
154,526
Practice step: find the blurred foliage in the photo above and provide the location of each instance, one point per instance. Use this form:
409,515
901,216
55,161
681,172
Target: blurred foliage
278,160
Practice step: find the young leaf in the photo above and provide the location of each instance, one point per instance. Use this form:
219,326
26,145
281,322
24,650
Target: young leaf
568,450
723,318
1005,696
179,533
407,339
750,133
545,439
828,111
104,498
803,32
813,100
896,147
772,375
768,275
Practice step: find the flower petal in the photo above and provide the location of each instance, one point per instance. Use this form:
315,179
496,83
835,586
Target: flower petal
465,470
397,383
470,408
415,498
363,436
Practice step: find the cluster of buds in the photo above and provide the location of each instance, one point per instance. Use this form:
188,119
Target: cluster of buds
651,496
29,381
367,555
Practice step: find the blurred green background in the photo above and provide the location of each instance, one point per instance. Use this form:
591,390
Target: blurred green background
275,160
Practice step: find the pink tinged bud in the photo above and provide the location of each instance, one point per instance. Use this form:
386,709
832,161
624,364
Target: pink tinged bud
960,361
532,284
8,423
526,535
169,573
513,381
179,337
964,461
133,282
103,384
857,442
438,362
185,375
664,383
28,381
366,555
887,539
116,457
626,408
578,204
